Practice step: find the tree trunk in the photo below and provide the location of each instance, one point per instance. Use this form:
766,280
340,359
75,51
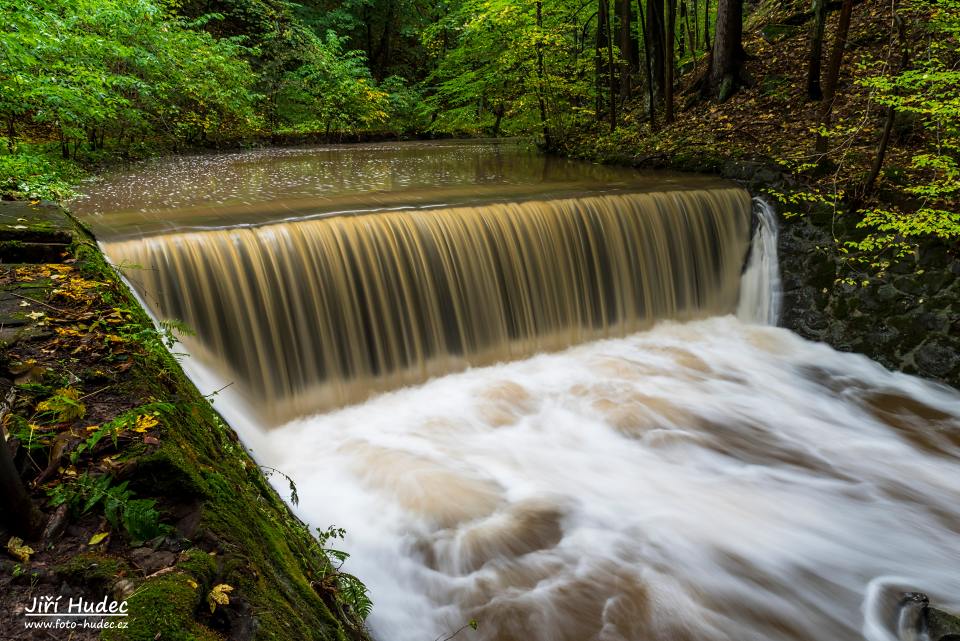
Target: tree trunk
498,111
901,28
669,40
382,57
17,511
871,180
654,34
695,39
647,66
814,92
706,25
598,59
11,134
727,59
682,35
686,30
833,72
611,78
605,77
368,31
542,103
64,143
628,48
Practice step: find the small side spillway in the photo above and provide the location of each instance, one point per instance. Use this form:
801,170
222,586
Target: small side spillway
314,314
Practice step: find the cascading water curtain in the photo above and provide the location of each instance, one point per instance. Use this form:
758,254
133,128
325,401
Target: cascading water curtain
316,314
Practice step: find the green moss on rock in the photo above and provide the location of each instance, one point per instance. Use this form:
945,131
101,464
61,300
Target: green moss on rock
199,564
95,571
163,608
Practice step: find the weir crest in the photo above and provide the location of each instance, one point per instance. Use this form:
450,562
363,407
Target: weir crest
315,314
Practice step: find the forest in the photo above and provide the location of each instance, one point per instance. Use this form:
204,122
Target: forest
817,221
858,100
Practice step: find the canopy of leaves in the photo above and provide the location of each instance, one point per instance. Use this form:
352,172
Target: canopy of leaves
107,76
89,69
487,71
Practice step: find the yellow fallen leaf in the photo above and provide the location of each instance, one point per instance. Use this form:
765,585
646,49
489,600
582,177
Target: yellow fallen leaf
97,538
219,596
192,584
20,551
144,423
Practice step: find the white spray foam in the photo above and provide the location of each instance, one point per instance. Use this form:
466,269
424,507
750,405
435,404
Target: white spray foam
710,480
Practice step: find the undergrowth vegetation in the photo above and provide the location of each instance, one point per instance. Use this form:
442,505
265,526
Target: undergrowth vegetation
883,164
144,491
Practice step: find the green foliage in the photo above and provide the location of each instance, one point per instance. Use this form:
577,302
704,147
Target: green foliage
138,420
928,94
96,69
407,110
171,328
29,174
102,78
155,342
64,406
270,471
139,517
353,592
331,90
487,73
472,624
387,32
93,440
329,561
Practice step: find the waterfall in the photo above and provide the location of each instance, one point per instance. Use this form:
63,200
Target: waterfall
718,479
316,314
760,285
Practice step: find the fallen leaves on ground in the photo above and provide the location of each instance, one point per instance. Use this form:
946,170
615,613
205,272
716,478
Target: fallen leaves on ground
219,595
18,550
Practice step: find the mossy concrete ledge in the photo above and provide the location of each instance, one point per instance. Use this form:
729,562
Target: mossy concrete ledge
225,531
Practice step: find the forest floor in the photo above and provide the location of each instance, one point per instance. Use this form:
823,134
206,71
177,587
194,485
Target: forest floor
146,496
